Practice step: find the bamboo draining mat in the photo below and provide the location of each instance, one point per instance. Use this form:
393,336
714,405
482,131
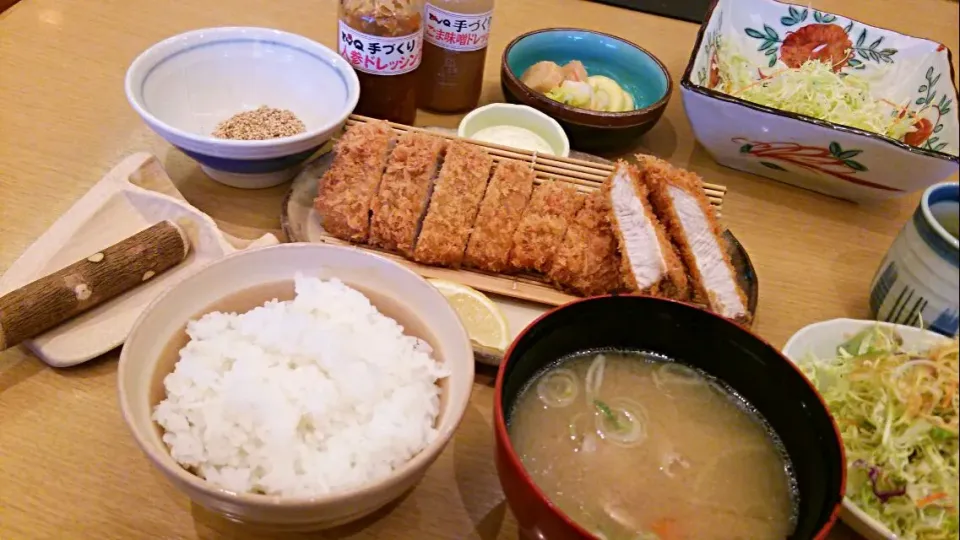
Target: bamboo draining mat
586,175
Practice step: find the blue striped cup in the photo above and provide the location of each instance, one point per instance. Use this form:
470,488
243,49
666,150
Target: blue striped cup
919,278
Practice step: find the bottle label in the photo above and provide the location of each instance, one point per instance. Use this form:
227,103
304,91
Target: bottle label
379,55
457,31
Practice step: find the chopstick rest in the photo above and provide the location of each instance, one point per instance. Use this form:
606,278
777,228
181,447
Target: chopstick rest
51,300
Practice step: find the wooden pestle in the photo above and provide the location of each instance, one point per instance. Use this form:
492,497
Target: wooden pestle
49,301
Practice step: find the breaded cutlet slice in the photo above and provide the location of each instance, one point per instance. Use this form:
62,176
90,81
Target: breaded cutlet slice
678,198
649,263
587,261
500,212
551,208
401,202
346,191
454,205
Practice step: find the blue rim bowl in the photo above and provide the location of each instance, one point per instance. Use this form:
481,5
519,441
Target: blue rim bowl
638,71
183,86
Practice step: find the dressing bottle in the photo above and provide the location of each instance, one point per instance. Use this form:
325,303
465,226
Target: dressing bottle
383,41
454,51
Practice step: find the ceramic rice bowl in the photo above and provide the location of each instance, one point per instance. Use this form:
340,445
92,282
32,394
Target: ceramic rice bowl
393,289
840,161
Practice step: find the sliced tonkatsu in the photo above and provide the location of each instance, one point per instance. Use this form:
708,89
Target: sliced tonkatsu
587,261
346,191
500,213
678,198
456,198
551,208
404,193
649,263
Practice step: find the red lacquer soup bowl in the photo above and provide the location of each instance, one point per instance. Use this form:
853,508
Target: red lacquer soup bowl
747,364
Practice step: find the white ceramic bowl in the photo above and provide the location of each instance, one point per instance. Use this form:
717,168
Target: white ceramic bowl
506,114
841,161
821,340
396,291
185,85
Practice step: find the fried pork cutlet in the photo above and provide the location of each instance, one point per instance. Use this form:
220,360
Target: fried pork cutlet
453,207
650,264
587,262
346,191
401,202
500,213
678,198
551,208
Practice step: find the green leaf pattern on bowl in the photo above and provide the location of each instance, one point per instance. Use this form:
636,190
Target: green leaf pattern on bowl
710,45
871,48
928,94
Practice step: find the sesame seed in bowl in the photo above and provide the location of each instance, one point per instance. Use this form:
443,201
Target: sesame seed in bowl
260,124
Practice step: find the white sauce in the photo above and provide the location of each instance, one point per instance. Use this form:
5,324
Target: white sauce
714,271
642,247
515,137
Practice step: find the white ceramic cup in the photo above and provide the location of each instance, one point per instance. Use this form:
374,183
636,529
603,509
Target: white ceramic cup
919,278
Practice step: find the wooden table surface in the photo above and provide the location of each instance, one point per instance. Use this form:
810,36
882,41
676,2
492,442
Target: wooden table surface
68,467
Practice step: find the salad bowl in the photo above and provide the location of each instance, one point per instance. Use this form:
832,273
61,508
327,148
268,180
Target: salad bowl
904,75
820,341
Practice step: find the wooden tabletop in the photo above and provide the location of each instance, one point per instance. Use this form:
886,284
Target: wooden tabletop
69,468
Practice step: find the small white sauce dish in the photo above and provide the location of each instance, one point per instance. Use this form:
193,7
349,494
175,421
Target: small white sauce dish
506,114
185,85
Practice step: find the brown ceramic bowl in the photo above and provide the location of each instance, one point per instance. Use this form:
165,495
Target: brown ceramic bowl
753,368
396,291
636,70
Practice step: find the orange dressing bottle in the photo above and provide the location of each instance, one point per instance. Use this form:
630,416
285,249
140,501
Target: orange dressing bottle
383,41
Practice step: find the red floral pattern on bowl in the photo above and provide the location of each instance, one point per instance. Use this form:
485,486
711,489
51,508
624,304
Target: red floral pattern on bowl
913,74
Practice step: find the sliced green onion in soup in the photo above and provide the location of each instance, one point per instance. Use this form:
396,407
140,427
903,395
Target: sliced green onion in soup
676,373
609,416
594,379
622,421
558,388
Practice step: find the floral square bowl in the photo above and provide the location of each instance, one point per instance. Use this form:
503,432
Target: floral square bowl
907,82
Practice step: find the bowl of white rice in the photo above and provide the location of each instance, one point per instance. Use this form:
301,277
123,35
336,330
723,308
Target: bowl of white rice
296,387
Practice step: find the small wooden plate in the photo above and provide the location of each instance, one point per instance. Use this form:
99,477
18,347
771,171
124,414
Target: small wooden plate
136,194
522,298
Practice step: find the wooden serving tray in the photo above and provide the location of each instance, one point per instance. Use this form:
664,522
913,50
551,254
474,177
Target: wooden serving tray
136,194
587,172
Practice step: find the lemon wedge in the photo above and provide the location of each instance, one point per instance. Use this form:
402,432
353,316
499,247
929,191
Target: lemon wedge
483,320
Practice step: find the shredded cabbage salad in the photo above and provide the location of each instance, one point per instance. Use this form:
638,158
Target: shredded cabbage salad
897,411
813,89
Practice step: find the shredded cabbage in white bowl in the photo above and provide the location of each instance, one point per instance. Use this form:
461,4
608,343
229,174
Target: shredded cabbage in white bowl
896,404
813,89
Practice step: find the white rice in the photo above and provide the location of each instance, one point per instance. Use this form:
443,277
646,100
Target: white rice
301,398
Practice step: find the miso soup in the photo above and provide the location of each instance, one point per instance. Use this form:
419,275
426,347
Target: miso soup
632,446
